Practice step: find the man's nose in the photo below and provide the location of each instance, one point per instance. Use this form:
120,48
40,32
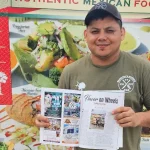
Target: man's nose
102,36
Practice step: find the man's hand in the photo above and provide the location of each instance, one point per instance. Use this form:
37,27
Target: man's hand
126,117
41,121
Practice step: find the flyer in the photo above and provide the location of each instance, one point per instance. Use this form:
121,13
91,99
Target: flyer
81,118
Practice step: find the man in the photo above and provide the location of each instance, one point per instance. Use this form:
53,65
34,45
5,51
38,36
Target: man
107,68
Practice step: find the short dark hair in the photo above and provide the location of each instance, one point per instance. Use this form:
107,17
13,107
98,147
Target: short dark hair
101,15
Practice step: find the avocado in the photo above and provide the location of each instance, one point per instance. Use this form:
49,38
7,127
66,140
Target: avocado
45,61
47,28
69,45
23,44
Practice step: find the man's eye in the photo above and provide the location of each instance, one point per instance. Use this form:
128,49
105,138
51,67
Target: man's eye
94,32
110,31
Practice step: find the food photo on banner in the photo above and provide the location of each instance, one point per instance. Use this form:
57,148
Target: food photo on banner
40,49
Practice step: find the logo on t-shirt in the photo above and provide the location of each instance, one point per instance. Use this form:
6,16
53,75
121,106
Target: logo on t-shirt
126,83
80,85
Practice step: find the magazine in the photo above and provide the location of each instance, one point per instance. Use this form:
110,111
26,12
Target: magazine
81,118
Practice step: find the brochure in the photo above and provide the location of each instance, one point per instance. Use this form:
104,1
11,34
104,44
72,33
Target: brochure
81,118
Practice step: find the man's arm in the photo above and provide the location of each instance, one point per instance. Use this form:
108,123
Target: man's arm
126,117
144,118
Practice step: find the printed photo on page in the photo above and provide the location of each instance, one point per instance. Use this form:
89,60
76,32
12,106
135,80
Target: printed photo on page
62,108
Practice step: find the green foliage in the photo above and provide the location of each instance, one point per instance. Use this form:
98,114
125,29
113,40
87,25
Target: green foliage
3,146
54,74
32,43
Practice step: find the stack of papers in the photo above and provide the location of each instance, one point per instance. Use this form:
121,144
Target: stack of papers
81,118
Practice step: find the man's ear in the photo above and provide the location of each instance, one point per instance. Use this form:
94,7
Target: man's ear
123,32
85,34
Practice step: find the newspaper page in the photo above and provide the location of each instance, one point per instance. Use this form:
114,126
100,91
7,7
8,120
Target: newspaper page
98,129
62,108
81,118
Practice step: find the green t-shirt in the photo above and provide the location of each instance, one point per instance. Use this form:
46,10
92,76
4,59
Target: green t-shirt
129,73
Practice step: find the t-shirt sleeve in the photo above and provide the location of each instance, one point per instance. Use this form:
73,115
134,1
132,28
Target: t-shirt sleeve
64,79
146,86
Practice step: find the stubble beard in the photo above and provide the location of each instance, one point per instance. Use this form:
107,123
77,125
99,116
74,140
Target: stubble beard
106,58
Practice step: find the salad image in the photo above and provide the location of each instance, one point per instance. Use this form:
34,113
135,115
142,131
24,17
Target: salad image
3,146
6,146
43,55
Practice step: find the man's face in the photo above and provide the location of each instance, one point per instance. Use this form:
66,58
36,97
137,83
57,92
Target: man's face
104,37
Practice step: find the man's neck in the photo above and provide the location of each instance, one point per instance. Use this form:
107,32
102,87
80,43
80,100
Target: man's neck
105,61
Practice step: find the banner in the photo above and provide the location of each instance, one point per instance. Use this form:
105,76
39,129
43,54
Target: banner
77,8
123,5
27,36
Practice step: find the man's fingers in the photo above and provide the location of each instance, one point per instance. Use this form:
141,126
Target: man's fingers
41,124
120,110
124,120
123,115
128,124
42,118
41,121
126,117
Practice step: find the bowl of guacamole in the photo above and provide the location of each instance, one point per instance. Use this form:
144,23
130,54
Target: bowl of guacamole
131,41
145,29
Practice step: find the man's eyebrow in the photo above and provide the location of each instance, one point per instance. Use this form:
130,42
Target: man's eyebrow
110,27
95,28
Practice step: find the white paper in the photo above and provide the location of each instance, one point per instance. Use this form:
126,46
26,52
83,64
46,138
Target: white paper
81,118
98,128
62,108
